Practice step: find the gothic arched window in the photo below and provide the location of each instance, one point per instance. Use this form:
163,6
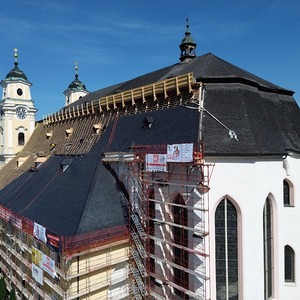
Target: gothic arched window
226,243
288,193
268,235
289,264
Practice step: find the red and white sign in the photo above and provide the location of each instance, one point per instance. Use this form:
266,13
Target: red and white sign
49,265
156,162
53,240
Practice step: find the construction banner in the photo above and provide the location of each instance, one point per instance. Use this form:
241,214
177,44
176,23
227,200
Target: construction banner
49,265
37,257
37,274
180,153
54,242
40,232
156,162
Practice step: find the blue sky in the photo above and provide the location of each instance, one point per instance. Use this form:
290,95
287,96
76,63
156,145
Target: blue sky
114,41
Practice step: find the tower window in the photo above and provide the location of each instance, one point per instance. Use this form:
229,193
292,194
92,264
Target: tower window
289,264
21,139
19,92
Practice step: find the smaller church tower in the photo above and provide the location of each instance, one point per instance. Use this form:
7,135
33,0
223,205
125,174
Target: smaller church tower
75,90
17,112
187,46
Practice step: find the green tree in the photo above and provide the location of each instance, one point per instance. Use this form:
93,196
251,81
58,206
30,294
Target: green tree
3,291
12,295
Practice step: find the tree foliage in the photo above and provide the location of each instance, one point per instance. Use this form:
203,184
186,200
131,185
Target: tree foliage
3,291
12,295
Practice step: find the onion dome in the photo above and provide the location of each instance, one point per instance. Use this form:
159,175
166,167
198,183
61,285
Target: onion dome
16,74
76,84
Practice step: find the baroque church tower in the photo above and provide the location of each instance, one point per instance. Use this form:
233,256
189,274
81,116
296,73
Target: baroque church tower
75,90
17,112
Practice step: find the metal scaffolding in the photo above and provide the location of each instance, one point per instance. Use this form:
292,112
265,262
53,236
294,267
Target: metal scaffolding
169,227
79,258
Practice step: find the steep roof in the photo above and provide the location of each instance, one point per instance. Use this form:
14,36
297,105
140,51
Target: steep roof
81,199
263,126
264,116
207,68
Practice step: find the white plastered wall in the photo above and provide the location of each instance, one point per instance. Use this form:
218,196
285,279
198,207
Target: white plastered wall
247,183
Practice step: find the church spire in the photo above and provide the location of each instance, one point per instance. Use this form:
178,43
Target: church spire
16,56
187,46
76,70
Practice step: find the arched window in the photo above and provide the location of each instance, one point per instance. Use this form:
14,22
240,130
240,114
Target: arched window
180,236
289,264
226,243
268,235
287,194
21,138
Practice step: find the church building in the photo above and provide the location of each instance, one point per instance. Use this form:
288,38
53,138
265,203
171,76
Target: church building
182,183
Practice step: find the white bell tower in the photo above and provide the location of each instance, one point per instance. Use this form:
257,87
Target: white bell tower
17,112
75,90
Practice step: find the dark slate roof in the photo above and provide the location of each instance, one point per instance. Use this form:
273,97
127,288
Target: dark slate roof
206,68
82,199
77,85
264,125
16,74
264,116
174,125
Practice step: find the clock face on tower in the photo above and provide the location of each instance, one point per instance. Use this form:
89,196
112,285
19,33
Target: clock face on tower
21,113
